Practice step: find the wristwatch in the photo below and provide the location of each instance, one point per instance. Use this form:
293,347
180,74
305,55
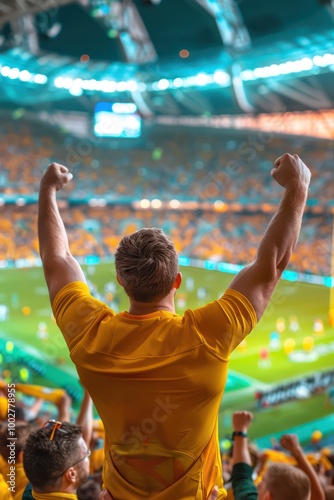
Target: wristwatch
239,433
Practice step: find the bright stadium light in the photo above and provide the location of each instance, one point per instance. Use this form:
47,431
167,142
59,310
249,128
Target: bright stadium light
67,83
59,82
108,86
221,77
14,73
174,204
287,67
132,86
40,79
163,84
247,74
145,203
121,86
202,79
25,75
76,90
178,82
156,203
5,70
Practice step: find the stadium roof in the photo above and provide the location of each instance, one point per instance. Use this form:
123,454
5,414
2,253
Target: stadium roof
180,57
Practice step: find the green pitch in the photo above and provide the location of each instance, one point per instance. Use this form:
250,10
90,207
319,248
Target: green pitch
294,306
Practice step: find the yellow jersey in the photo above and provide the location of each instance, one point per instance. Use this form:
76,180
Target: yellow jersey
157,382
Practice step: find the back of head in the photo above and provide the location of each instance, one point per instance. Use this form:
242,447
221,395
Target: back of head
285,481
46,456
146,264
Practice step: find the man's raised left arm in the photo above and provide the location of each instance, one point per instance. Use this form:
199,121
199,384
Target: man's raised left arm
60,267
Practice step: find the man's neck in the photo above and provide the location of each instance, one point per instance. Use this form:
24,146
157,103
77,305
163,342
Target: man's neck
142,308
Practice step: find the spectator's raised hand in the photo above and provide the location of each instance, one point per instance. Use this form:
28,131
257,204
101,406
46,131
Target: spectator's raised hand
105,495
56,177
241,420
290,171
214,493
290,442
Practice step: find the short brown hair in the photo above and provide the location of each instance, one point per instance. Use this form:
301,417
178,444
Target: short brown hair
147,264
286,481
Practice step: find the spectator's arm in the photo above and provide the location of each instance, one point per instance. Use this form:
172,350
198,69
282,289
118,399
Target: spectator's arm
242,483
85,418
257,281
60,268
64,408
241,421
291,443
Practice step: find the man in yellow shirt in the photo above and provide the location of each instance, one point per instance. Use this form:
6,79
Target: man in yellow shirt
55,460
156,378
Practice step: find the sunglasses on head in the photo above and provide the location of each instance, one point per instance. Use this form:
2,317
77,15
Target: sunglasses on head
57,426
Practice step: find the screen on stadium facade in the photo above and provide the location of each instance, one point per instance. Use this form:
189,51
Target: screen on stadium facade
117,119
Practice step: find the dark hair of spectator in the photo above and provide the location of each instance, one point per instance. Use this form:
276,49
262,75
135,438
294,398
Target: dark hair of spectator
45,460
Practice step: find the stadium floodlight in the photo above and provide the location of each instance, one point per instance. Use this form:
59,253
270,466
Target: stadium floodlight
108,86
14,73
145,203
76,91
132,85
174,204
287,67
247,74
156,203
59,82
67,83
5,70
202,79
222,78
178,82
25,75
122,86
163,84
40,79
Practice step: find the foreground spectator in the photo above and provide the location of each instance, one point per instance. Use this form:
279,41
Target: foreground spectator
281,481
157,379
55,460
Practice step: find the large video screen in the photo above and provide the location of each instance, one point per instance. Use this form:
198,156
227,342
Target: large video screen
117,119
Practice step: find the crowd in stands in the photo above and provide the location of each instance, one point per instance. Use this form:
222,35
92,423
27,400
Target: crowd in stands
205,166
51,456
221,237
197,164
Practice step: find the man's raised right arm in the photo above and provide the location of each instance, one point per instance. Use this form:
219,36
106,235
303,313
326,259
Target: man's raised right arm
257,281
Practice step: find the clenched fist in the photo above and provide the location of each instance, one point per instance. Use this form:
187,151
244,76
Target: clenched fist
291,172
56,176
